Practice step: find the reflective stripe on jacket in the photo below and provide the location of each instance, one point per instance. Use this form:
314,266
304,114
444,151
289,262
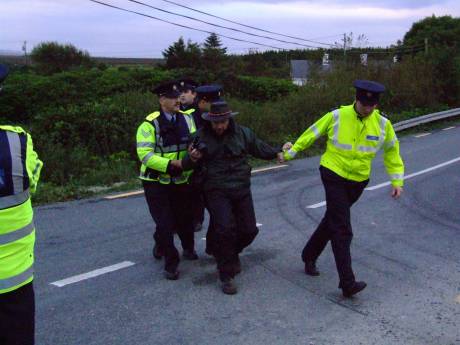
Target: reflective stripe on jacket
352,143
19,173
155,154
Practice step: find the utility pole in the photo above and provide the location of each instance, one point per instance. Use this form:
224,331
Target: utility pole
344,48
426,46
24,49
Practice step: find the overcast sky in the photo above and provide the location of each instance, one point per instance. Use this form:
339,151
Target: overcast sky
104,31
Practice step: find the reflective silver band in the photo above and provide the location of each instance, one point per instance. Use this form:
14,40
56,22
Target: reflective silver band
390,144
172,148
17,234
145,144
147,157
367,149
383,122
335,137
17,168
397,176
291,153
14,200
315,130
17,280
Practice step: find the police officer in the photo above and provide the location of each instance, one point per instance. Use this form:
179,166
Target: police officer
354,135
223,147
161,142
19,174
187,95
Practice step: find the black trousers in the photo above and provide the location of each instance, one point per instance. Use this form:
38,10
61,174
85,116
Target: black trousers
335,226
234,226
17,316
171,209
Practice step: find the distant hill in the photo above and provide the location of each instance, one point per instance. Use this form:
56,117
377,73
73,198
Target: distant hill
11,57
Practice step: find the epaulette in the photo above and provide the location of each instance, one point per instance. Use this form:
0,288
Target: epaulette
15,129
153,116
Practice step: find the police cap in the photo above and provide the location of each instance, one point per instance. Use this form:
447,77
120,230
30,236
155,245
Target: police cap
209,93
368,92
3,72
168,89
187,85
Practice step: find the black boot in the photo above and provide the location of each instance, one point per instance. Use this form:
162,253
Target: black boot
310,268
353,289
171,275
229,286
189,254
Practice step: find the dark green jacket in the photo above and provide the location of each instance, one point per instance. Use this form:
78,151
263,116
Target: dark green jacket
225,162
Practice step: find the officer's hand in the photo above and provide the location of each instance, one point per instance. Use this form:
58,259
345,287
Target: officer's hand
280,157
174,167
195,155
396,192
287,146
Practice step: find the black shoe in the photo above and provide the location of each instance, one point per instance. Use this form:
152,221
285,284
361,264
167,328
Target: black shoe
310,268
189,255
198,227
157,252
229,287
354,289
171,275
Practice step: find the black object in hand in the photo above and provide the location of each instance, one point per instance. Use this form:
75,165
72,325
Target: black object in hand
199,145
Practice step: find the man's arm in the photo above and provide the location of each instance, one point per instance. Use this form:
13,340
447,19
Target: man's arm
33,165
308,137
259,148
393,161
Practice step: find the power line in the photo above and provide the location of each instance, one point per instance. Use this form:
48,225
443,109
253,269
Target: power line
248,26
220,26
183,26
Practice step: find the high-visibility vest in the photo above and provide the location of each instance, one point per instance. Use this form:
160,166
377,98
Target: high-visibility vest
352,143
19,173
155,154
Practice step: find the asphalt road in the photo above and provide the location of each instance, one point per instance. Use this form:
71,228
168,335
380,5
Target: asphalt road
406,250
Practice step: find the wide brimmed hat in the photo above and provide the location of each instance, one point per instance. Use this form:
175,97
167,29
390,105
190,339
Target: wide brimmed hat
219,111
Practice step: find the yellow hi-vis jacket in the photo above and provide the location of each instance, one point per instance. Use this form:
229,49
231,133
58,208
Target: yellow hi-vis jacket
352,143
19,174
155,156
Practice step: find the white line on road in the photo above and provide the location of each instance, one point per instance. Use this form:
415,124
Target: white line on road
269,168
92,274
137,192
421,135
458,299
124,195
384,184
446,129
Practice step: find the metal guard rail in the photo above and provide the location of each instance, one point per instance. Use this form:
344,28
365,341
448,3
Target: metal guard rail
399,126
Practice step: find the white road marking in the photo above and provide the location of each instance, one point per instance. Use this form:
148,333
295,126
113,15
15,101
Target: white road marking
384,184
92,274
269,168
137,192
457,299
421,135
124,195
446,129
258,224
320,204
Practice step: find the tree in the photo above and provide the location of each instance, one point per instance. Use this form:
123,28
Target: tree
442,34
213,52
349,41
179,55
52,57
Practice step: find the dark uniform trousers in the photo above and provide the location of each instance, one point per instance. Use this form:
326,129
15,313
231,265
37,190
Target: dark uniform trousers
335,226
17,316
234,226
171,208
